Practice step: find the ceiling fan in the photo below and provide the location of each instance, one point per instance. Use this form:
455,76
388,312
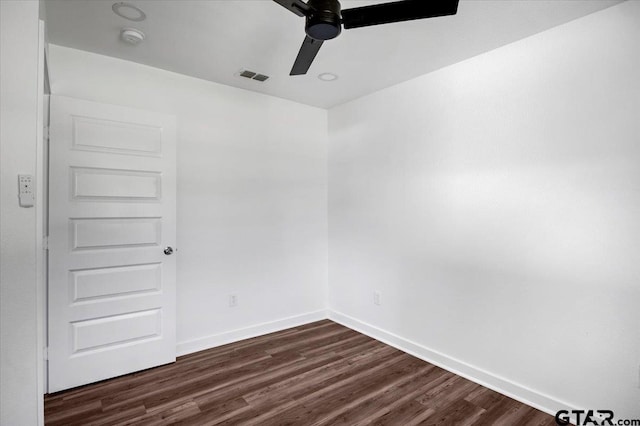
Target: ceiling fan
325,19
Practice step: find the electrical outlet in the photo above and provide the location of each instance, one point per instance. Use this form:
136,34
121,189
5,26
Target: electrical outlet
233,300
376,298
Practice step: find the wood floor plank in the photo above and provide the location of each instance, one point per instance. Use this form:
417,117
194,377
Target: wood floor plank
494,413
460,413
485,398
317,374
321,340
319,411
306,382
539,418
448,396
252,384
433,378
229,385
74,414
206,382
215,414
164,389
342,344
404,413
115,417
373,392
384,402
516,416
270,414
166,416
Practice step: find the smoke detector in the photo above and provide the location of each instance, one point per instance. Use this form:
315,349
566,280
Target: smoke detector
132,36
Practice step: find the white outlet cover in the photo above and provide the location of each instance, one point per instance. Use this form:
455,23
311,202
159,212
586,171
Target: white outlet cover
233,300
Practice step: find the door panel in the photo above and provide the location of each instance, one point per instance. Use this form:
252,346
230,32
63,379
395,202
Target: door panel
115,185
116,136
112,212
98,333
117,281
115,232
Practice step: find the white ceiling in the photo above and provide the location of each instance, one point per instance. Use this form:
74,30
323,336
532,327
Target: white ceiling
214,39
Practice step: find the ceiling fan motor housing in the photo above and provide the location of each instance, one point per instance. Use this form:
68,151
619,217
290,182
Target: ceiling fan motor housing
324,22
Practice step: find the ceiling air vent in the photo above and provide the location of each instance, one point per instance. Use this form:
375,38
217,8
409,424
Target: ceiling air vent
253,75
247,74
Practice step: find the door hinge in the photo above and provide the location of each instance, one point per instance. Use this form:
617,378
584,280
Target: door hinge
45,243
45,353
46,133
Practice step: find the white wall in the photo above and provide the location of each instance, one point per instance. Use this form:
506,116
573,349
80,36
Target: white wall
20,400
252,190
495,204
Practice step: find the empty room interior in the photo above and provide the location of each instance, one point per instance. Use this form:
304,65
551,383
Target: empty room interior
312,212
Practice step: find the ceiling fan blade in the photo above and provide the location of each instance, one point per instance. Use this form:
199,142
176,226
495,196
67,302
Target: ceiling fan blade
307,54
298,7
398,11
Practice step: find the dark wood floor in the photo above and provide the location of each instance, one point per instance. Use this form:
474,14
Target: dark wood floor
318,374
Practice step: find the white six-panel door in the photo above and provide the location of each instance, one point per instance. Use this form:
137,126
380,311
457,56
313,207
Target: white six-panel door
112,214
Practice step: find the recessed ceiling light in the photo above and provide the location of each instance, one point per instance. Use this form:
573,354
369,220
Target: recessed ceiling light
327,76
128,11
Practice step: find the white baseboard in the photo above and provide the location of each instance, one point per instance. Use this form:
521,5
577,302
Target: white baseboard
208,342
492,381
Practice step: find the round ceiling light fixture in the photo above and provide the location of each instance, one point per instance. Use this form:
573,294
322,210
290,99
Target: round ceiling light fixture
128,11
327,76
132,35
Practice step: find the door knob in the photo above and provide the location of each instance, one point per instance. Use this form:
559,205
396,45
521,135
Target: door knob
168,251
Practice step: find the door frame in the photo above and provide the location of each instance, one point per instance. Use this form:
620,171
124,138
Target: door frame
42,214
